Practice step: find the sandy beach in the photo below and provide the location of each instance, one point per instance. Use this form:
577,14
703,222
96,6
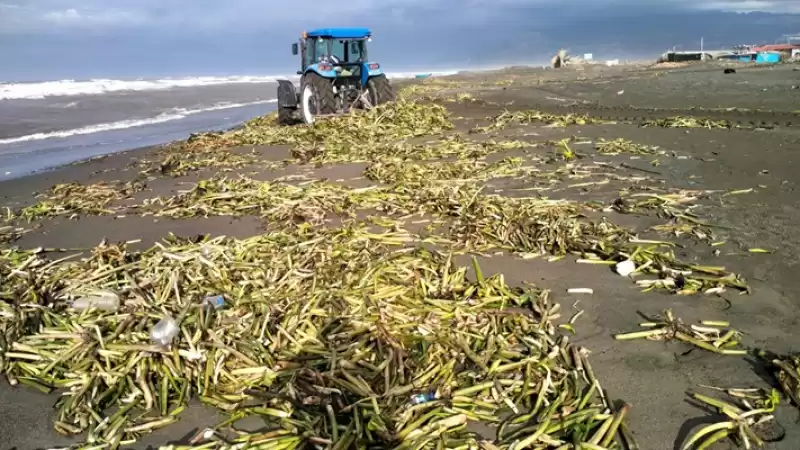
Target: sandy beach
730,163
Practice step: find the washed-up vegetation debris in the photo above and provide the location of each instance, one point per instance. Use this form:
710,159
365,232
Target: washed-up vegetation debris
184,157
332,343
10,233
687,122
527,117
708,335
748,415
473,221
340,138
430,86
72,199
786,369
349,337
620,145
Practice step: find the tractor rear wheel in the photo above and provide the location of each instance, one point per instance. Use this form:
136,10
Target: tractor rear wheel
380,91
285,116
317,97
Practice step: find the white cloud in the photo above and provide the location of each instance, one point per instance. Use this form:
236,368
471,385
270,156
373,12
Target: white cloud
67,16
785,6
92,18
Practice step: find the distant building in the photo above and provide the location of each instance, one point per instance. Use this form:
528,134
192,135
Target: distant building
785,50
776,48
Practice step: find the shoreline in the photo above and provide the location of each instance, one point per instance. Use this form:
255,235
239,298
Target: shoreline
15,189
399,83
550,104
104,143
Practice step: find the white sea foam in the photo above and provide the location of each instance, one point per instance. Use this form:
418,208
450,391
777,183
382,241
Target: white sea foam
17,91
175,114
65,88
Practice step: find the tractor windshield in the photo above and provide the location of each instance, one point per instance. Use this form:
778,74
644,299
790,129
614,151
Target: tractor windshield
344,51
348,51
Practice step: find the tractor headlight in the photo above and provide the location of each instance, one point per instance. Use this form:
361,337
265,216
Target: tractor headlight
338,69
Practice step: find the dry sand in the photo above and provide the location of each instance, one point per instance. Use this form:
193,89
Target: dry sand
652,376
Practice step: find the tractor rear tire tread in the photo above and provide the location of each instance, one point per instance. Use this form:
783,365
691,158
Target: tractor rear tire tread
382,90
323,90
285,116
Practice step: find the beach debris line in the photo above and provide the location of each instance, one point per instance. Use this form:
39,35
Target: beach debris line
73,199
358,135
452,192
527,117
677,207
620,145
329,344
343,135
748,413
713,336
182,158
688,122
469,219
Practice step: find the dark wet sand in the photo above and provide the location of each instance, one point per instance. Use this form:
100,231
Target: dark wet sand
652,376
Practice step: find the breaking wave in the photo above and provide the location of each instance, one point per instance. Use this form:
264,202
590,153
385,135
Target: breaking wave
64,88
175,114
34,91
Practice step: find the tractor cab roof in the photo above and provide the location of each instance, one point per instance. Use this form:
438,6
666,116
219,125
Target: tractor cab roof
340,33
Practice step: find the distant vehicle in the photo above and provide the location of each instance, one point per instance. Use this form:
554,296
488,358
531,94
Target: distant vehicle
336,76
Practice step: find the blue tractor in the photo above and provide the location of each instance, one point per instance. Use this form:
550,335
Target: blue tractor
336,76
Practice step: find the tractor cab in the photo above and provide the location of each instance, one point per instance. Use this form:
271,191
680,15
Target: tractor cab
336,75
343,49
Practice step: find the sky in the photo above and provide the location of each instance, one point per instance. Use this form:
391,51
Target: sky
55,39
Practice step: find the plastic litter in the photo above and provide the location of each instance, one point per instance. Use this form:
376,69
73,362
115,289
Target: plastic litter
626,267
580,291
423,398
105,300
215,301
164,331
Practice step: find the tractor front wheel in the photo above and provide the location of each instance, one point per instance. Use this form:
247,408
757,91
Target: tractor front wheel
380,91
317,98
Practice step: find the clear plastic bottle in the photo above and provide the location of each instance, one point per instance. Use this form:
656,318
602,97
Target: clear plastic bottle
164,331
105,300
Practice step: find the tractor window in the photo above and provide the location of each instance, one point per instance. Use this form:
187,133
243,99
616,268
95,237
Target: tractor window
337,49
356,51
347,51
321,50
308,46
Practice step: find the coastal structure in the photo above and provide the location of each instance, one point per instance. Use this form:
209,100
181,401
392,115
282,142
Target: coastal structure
767,53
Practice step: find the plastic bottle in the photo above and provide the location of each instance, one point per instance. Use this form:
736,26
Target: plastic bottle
105,300
164,331
423,398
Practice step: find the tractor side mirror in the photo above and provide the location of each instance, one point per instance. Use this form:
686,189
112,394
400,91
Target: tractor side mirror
295,49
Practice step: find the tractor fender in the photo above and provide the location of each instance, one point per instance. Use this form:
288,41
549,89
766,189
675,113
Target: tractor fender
287,94
367,73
